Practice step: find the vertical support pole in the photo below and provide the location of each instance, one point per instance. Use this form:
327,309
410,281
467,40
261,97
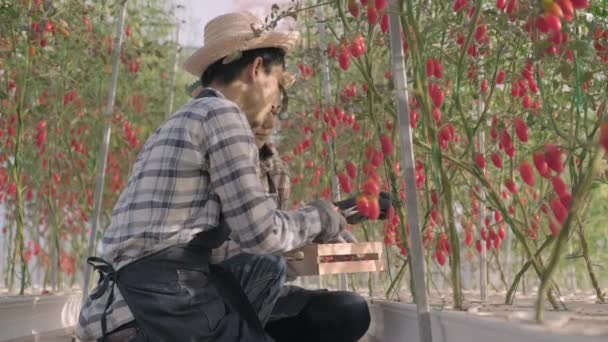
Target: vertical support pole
103,153
483,264
178,49
2,248
343,284
407,160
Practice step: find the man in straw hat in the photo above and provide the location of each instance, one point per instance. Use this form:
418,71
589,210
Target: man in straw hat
194,186
300,314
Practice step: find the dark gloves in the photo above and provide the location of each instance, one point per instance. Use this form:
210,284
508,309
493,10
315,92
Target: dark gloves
384,201
332,221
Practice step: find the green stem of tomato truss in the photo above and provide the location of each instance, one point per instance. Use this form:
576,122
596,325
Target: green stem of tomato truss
419,44
581,191
487,101
516,280
460,70
59,108
367,77
52,203
17,167
342,16
600,296
454,243
500,269
548,112
393,287
296,11
579,96
496,201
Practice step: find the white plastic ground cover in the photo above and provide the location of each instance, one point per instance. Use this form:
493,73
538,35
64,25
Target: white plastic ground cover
397,322
34,315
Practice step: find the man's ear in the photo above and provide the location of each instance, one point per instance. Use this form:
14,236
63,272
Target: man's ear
255,68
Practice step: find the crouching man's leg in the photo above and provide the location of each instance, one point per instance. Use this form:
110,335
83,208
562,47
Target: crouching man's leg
261,277
338,316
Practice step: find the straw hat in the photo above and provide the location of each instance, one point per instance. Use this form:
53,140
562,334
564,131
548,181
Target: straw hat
233,32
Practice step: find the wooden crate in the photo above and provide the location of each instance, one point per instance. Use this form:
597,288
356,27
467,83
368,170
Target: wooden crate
337,258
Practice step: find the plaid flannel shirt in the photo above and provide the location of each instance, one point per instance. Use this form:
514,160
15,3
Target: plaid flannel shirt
199,164
273,169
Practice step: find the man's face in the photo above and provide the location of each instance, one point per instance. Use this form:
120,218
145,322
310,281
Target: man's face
263,132
262,98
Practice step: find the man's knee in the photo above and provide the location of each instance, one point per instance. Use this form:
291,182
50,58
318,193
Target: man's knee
346,312
259,266
272,264
353,308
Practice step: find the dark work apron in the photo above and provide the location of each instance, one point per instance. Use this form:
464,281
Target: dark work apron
189,299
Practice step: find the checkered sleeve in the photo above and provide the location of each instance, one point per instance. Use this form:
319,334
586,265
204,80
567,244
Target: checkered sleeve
252,215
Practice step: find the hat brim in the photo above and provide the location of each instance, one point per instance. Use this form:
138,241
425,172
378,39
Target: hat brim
202,58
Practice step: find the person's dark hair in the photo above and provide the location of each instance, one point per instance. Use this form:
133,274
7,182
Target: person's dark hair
226,73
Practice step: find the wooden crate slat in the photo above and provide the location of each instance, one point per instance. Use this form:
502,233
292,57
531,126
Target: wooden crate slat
349,248
306,266
351,266
311,265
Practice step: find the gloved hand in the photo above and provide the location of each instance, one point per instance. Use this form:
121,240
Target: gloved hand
384,201
344,237
332,221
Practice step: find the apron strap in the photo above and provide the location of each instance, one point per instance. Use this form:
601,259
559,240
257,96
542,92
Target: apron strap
271,187
107,275
232,292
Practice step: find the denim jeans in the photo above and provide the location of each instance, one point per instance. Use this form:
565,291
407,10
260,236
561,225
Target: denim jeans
261,277
298,314
176,302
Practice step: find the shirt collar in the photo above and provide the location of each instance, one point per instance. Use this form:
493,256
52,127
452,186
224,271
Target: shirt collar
266,152
210,92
